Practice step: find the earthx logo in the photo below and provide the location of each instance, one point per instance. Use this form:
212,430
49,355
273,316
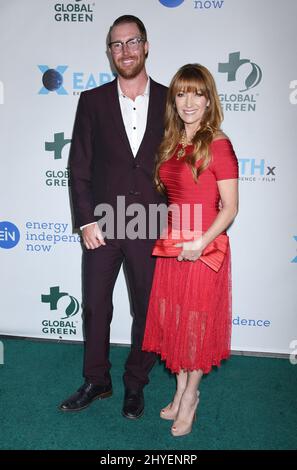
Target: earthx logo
256,170
53,80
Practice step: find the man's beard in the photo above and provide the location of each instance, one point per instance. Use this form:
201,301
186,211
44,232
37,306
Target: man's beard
130,72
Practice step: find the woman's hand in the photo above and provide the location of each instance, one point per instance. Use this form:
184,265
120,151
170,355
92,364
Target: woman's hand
191,251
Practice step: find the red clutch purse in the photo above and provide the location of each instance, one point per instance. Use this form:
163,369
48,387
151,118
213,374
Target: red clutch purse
213,255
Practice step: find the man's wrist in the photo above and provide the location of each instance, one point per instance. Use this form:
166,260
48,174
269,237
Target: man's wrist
83,226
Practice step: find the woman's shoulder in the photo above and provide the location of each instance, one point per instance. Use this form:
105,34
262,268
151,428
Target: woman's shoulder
223,159
220,137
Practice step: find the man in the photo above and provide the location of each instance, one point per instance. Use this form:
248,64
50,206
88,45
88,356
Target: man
117,131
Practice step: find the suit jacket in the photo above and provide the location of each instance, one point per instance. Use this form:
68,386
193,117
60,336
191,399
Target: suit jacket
102,165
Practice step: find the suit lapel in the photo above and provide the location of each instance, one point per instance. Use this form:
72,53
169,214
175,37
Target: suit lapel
151,116
115,108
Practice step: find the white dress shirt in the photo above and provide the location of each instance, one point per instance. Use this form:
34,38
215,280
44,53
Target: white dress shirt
134,114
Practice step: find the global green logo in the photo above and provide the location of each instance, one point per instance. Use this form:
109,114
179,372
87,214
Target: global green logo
55,296
57,145
79,12
54,177
254,73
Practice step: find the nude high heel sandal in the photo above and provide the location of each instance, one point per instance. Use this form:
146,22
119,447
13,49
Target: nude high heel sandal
168,413
184,427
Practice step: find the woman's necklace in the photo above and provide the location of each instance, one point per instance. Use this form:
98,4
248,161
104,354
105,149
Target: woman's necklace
183,141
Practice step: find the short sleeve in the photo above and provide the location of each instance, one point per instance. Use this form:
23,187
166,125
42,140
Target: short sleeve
224,162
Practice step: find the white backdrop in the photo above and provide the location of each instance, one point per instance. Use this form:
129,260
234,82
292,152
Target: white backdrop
50,52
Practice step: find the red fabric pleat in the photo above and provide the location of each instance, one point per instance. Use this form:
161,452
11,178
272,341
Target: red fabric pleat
189,316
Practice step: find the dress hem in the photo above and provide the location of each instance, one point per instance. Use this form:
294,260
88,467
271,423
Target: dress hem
175,370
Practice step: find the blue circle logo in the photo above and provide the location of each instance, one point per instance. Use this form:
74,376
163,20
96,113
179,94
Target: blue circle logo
171,3
52,80
9,235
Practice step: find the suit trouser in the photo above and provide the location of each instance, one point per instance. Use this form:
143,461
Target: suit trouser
100,270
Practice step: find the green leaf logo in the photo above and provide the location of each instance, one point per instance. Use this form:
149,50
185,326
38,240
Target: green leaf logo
72,308
254,78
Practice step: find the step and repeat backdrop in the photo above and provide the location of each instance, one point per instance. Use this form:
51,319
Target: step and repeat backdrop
52,51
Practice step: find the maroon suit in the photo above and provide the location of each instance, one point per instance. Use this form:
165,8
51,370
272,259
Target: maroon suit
103,167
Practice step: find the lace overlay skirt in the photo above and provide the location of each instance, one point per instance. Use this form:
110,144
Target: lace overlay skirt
190,315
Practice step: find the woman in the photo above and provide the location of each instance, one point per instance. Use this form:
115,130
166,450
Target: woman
189,315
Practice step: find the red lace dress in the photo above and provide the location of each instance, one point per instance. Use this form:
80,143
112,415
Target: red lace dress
189,314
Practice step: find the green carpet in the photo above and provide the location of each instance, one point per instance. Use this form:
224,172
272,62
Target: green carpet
249,403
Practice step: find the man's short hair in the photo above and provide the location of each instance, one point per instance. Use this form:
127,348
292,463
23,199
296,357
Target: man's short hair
129,19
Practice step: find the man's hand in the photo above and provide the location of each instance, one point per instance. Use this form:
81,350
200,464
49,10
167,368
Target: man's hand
92,237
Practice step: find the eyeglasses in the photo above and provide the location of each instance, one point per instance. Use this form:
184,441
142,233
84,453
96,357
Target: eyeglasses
132,44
